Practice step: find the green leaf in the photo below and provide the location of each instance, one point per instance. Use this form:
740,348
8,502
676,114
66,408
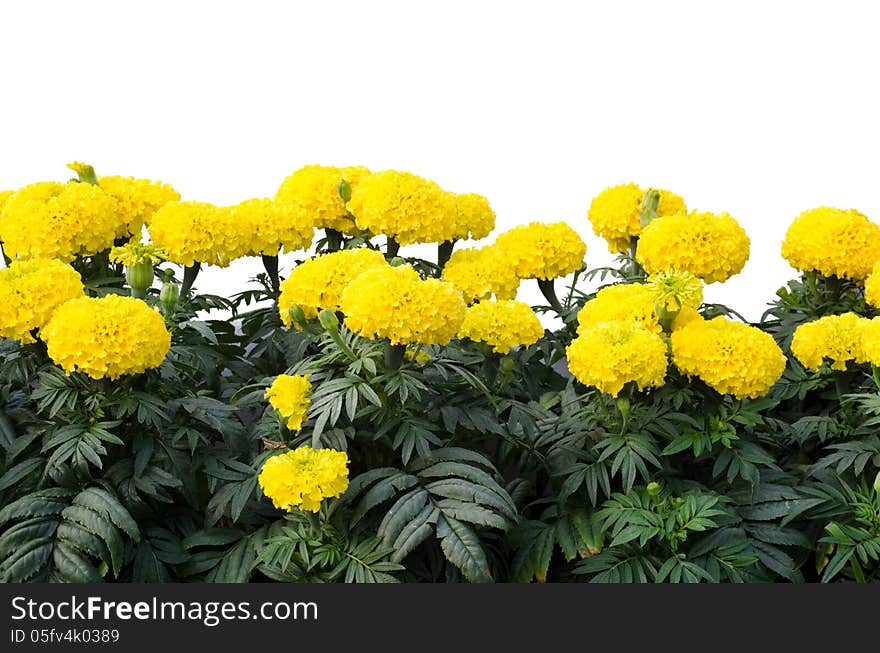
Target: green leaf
462,548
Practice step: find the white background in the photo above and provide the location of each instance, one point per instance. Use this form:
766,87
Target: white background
760,109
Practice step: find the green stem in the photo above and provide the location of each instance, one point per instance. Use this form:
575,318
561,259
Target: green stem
394,355
337,338
549,291
391,248
444,253
190,272
635,271
334,239
270,263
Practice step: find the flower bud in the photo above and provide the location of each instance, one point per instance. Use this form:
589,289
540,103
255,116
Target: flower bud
396,262
507,365
170,294
654,489
139,277
344,190
328,320
297,315
623,406
877,483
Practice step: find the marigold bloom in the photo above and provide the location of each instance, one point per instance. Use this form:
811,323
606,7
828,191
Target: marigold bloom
191,232
872,286
833,242
541,250
136,253
304,477
4,197
30,293
405,207
311,196
835,337
713,247
608,355
54,220
318,283
291,396
264,225
870,340
615,213
136,201
623,302
502,325
481,273
674,290
106,337
395,303
731,357
474,218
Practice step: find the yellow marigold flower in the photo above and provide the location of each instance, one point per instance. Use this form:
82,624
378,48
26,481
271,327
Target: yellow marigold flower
265,225
685,317
731,357
474,217
30,293
291,396
872,286
481,273
405,207
318,283
304,477
674,290
713,247
502,325
191,232
615,213
4,197
136,201
835,337
870,340
53,220
136,253
541,250
834,242
608,355
624,302
311,196
106,337
395,303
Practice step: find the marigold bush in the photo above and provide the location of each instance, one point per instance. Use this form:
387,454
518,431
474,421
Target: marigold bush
365,411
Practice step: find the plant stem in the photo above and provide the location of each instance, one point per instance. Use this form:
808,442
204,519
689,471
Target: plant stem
190,272
334,239
549,291
394,355
391,248
444,252
271,265
337,338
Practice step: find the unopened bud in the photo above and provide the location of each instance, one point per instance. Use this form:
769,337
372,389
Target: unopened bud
507,365
877,483
169,295
654,488
328,320
344,190
139,278
396,262
297,315
623,406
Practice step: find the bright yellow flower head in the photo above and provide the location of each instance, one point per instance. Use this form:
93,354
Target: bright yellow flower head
835,337
608,355
304,477
4,197
136,253
713,247
481,273
834,242
624,302
318,283
685,317
405,207
191,232
731,357
872,286
291,396
54,220
395,303
310,196
136,201
30,293
674,290
870,340
106,337
264,225
502,325
541,250
615,213
474,218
